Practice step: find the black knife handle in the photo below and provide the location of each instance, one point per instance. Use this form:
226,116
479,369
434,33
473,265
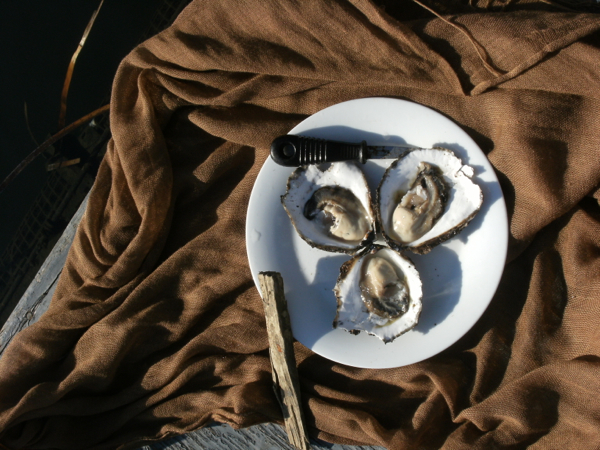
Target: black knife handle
291,150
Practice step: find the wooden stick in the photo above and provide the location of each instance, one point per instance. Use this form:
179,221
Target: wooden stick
48,142
63,98
283,362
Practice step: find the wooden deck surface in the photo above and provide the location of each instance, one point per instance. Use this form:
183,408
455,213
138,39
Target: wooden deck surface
215,437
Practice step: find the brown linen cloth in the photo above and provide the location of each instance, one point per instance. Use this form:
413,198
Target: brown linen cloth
156,327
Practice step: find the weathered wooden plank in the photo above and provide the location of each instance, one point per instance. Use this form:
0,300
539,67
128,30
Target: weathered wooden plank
37,297
268,436
283,362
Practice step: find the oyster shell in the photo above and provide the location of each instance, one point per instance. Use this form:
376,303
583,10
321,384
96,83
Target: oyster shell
378,291
426,197
330,207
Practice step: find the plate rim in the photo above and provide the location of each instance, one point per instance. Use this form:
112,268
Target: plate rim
301,128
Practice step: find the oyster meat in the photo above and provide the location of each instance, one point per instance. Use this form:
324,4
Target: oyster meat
330,207
426,197
423,204
339,213
379,292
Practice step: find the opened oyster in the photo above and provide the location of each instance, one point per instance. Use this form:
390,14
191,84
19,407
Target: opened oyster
330,208
378,292
425,198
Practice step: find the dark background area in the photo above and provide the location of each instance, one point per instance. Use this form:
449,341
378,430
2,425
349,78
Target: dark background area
38,41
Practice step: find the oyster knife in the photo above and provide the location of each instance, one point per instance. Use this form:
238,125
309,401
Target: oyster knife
291,150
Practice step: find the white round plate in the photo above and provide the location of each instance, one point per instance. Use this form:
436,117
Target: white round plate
459,277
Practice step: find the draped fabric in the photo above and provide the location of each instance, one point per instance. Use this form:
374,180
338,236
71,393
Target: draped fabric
156,327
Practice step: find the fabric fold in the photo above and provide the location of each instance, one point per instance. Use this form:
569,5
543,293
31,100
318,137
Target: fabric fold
156,327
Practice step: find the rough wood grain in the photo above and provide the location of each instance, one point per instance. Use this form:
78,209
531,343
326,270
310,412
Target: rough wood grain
37,297
218,436
283,362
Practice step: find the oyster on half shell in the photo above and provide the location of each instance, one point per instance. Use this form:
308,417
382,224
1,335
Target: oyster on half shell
379,292
330,207
426,197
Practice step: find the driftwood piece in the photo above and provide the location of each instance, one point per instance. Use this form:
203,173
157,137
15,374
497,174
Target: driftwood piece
283,362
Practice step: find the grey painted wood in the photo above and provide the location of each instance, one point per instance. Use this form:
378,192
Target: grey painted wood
37,297
214,437
268,436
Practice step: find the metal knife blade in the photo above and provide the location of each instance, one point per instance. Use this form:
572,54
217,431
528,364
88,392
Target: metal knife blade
292,150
